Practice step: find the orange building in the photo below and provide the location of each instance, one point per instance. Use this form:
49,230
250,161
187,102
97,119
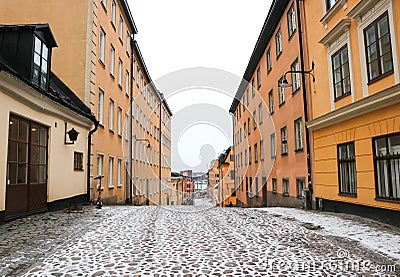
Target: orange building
270,141
355,105
98,59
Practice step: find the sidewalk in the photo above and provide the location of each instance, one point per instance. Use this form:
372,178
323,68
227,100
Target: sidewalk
371,234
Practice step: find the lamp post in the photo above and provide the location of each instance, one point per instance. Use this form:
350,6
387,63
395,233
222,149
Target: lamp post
285,84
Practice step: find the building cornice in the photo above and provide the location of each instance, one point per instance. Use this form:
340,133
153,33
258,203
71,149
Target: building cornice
361,8
380,100
329,14
336,31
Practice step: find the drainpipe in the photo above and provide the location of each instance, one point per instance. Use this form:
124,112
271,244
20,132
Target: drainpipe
96,125
305,103
160,155
128,199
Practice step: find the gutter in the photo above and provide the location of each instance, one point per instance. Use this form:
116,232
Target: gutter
91,132
305,103
128,199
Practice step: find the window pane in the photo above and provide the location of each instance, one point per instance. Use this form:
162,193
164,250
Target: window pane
22,174
12,151
346,86
384,44
36,59
372,52
45,52
43,155
342,152
373,69
370,35
380,147
383,27
386,63
43,136
44,66
38,45
22,153
35,155
42,174
13,129
338,89
336,62
394,145
23,131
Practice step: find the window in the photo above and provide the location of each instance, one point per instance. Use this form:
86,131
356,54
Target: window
253,89
387,167
260,113
256,183
127,46
99,167
113,12
127,82
258,77
378,48
121,28
278,43
247,97
110,172
112,58
261,150
271,101
119,170
347,169
100,106
284,141
298,134
295,76
273,146
330,4
274,186
285,187
248,126
111,115
269,60
254,119
291,19
102,44
281,91
256,153
250,158
40,64
126,127
119,123
78,161
341,73
120,73
300,185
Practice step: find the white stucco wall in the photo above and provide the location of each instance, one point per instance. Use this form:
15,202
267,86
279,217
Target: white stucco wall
19,99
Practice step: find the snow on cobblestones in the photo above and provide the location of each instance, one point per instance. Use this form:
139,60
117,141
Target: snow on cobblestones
191,241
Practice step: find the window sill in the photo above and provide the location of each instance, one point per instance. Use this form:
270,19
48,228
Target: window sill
380,77
300,150
111,187
111,131
285,194
112,75
387,200
284,154
119,186
281,104
101,125
342,96
274,192
119,86
295,91
104,7
347,195
292,35
120,135
113,25
278,56
78,169
120,39
102,63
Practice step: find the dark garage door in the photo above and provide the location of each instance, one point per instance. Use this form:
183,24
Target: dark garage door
26,168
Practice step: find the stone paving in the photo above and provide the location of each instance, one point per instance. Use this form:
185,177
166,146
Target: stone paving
180,241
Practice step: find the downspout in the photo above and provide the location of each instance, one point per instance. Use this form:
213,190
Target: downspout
91,132
129,198
305,103
160,155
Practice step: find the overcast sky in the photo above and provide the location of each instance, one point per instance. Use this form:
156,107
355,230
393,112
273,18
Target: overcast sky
179,34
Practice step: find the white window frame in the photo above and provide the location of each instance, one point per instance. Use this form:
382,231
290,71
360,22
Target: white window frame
119,171
127,82
126,127
100,107
110,172
278,43
100,160
112,59
121,28
102,45
119,123
127,46
113,12
273,145
120,72
298,134
295,76
111,115
260,113
291,18
365,13
262,150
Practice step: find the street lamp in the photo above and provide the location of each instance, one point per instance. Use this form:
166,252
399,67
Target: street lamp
285,84
72,135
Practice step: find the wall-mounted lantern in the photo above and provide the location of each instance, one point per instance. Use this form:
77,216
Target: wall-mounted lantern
72,135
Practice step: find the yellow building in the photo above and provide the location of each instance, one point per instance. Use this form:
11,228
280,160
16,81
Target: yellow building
355,105
213,181
95,58
226,180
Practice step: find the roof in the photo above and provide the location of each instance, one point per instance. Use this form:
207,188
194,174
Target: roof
223,156
159,95
42,28
271,22
58,92
128,15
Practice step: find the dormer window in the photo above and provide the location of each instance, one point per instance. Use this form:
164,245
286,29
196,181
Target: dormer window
40,64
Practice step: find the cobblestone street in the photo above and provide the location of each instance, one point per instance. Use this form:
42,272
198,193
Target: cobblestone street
181,241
